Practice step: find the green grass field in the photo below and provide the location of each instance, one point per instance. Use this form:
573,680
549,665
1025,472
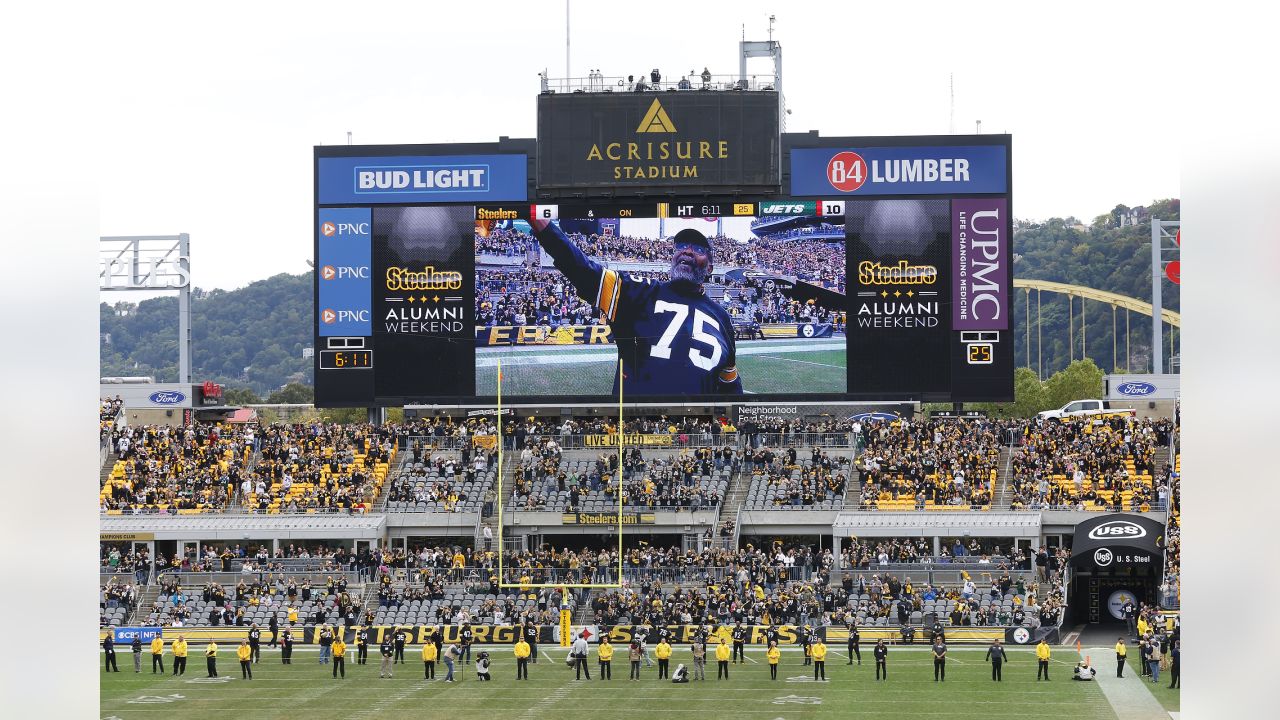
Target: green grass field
766,366
306,689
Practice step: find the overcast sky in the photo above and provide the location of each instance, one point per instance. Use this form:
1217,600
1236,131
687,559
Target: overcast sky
218,111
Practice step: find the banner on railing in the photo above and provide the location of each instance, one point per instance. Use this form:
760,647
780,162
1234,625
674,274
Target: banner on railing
607,519
566,634
488,442
651,439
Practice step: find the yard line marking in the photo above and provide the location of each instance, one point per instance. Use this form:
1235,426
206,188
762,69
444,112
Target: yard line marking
806,362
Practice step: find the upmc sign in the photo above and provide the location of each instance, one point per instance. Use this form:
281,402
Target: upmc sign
629,141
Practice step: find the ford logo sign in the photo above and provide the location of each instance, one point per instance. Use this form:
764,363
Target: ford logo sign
1136,389
869,416
1118,530
167,397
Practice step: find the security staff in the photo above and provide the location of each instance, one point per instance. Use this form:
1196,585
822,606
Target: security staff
997,655
180,655
244,654
854,641
774,654
109,647
531,637
881,654
723,653
255,637
939,660
430,653
522,660
286,647
400,638
157,654
605,653
211,658
739,643
136,646
820,660
339,657
1122,652
663,653
1042,656
362,645
388,649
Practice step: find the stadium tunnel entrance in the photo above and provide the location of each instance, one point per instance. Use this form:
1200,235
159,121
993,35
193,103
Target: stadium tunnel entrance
1116,558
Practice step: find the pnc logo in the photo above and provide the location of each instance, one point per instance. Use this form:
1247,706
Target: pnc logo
328,273
1117,529
656,120
328,317
328,229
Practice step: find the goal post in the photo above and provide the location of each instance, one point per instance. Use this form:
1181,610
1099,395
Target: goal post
502,581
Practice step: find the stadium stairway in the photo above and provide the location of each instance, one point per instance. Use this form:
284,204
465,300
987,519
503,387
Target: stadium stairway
739,484
853,490
1003,495
380,502
142,609
108,466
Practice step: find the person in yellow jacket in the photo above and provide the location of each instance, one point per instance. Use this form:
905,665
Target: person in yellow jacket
1122,652
663,653
522,659
1144,627
245,654
773,654
180,655
723,653
157,654
819,652
211,658
1042,655
339,649
605,651
430,654
293,615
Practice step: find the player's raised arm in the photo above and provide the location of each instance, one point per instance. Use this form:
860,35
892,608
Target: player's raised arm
595,284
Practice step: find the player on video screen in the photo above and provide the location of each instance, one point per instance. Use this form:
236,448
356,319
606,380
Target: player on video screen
672,338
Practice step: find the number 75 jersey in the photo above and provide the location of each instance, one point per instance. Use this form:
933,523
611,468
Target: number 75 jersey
672,340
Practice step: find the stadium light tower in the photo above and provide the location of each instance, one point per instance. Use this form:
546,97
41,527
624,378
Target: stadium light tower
769,49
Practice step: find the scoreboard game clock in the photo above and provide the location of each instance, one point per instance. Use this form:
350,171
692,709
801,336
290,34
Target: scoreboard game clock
346,359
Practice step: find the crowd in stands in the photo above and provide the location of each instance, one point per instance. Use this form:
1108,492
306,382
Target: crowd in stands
655,481
867,554
115,595
453,473
162,468
796,483
175,605
108,413
542,296
279,468
928,464
507,243
1171,586
1077,464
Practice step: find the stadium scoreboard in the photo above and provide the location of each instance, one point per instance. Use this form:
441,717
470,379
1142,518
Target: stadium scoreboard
881,271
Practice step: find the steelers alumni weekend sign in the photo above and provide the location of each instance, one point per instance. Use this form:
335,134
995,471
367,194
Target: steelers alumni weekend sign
625,141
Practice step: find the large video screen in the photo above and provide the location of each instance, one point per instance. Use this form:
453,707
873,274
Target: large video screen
694,302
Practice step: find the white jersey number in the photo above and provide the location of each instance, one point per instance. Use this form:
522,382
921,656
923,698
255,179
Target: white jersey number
700,321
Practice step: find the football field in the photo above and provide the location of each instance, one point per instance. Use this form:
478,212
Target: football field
766,366
306,689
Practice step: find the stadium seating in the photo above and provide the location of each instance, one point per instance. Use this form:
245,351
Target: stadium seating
789,481
434,486
164,469
1086,465
934,465
586,484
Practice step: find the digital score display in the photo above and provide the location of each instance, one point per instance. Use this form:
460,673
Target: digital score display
346,359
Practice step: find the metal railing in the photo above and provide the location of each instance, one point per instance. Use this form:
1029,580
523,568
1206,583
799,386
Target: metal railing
693,82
